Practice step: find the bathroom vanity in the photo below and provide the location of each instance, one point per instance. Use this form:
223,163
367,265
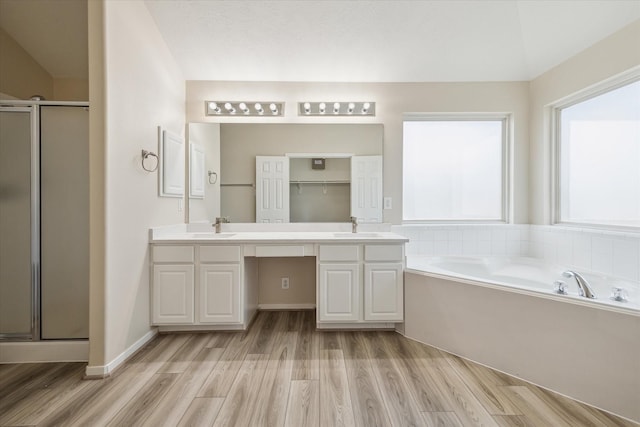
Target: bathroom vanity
208,281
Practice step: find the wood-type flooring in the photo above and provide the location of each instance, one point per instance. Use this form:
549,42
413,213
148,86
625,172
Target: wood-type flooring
282,372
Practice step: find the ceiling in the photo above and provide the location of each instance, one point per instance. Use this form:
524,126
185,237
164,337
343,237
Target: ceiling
382,41
338,40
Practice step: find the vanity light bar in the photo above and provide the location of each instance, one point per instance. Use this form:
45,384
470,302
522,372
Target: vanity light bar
244,108
336,108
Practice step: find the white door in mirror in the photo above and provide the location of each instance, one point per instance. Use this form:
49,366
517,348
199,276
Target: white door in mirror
366,188
272,189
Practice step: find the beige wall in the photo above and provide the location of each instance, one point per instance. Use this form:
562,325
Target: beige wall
97,179
20,75
70,89
392,100
144,89
609,57
302,281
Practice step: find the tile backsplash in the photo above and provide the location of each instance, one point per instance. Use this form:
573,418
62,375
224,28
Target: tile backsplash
609,253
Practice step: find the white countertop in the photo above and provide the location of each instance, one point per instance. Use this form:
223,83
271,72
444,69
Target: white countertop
185,234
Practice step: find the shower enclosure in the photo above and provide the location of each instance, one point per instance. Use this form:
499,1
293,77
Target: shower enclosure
44,220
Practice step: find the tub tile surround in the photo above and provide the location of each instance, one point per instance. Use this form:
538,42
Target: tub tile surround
609,253
465,240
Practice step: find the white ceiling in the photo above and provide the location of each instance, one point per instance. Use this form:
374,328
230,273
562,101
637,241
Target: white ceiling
383,41
54,32
338,40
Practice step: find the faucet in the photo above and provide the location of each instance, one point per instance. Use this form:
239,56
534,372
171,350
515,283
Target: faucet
354,224
584,287
219,221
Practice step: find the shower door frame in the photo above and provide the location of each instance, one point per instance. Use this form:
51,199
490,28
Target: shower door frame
33,107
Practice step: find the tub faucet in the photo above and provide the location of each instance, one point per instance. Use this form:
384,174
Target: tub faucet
219,221
583,286
354,224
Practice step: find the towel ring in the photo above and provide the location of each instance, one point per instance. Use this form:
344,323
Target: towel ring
215,177
145,155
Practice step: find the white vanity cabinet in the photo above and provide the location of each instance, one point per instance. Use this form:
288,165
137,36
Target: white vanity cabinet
173,285
339,294
383,283
219,290
360,284
212,283
201,287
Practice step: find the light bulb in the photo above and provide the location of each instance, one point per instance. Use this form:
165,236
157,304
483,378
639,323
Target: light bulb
351,107
274,108
322,107
336,108
244,108
230,108
213,106
258,108
307,108
365,107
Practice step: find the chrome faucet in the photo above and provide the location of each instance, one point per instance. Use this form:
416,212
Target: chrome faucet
219,221
354,224
583,286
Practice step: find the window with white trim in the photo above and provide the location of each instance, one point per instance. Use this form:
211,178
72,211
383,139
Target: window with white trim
455,168
598,158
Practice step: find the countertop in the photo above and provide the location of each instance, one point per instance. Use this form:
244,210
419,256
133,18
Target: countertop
276,237
273,234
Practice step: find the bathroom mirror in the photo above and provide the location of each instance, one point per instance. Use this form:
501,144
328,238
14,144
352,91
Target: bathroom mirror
231,150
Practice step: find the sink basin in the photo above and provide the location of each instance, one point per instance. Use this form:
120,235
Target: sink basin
356,235
210,235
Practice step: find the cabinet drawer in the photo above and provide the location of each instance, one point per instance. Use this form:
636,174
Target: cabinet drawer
383,253
279,250
220,253
339,253
173,254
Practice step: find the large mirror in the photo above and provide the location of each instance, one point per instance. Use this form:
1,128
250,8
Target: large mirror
320,186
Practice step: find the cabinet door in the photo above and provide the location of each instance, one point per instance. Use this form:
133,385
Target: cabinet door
339,292
383,292
219,294
173,294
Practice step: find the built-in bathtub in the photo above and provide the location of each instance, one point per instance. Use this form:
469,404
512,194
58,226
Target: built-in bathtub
503,313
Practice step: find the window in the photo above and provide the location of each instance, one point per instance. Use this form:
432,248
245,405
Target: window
454,169
598,158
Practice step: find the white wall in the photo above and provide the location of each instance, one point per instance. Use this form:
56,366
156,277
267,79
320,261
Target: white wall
392,100
609,57
144,88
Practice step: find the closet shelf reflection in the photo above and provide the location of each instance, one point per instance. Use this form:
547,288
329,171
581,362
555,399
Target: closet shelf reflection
343,181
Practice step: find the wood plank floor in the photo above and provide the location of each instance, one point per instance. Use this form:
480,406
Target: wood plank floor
284,372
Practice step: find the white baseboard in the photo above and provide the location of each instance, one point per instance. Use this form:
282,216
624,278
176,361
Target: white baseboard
44,351
106,370
355,326
286,306
202,328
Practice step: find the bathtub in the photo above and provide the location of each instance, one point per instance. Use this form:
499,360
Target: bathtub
503,313
531,276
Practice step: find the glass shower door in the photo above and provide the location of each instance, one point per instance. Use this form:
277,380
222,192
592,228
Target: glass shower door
18,223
